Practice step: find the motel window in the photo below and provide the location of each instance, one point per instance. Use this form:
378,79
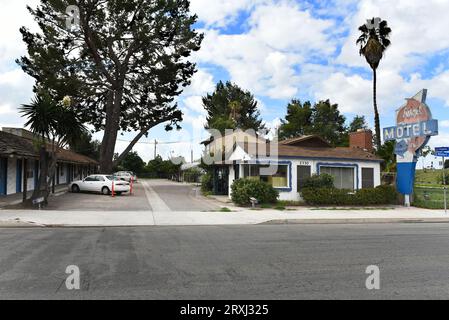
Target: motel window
304,172
343,176
367,178
277,180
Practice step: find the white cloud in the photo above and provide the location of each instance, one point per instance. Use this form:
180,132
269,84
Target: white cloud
219,13
202,82
195,103
444,124
265,59
13,15
419,27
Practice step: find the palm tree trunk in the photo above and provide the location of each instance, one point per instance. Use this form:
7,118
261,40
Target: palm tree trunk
376,111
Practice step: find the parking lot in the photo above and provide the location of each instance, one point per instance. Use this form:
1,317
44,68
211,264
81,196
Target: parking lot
148,195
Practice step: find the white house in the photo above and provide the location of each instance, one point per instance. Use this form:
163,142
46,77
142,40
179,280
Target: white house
353,167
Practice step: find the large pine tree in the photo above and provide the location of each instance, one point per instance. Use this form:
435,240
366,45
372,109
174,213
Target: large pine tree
122,62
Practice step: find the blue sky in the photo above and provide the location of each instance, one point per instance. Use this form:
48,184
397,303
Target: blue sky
281,50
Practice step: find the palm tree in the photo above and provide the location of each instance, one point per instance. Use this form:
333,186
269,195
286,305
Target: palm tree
55,124
373,42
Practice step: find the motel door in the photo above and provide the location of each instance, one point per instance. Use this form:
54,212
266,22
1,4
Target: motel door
3,176
221,181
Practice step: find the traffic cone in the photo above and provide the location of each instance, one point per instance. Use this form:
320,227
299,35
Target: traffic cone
113,191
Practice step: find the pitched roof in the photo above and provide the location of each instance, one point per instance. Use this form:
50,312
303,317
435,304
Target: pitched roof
317,153
307,141
11,144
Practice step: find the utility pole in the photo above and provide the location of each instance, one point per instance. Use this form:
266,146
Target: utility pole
155,148
191,156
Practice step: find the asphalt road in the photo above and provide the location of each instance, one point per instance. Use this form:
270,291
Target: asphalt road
238,262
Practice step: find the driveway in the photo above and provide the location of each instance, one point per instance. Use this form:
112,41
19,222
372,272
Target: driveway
148,195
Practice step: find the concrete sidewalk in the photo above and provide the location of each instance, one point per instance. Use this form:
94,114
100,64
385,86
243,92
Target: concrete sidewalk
244,217
15,199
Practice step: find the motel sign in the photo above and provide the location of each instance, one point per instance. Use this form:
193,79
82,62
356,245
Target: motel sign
414,127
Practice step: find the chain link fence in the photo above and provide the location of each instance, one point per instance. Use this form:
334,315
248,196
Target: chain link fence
429,197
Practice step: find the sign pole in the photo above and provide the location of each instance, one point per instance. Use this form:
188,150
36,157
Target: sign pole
444,187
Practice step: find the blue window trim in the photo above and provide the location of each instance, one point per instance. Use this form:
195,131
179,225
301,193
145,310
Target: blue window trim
3,176
19,176
288,163
339,165
331,159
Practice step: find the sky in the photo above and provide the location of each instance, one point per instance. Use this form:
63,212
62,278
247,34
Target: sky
280,50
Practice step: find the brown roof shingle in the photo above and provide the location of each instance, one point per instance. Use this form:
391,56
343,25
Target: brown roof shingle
319,153
11,144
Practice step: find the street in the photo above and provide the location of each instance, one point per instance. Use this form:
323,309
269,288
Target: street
227,262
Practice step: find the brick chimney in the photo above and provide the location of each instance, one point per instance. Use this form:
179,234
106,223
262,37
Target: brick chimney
362,139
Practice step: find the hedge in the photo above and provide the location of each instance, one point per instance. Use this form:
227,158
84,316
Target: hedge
331,196
244,189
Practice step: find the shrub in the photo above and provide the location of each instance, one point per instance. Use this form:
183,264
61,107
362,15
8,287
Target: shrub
331,196
244,189
207,183
323,180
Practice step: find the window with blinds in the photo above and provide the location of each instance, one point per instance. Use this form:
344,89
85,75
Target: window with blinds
343,176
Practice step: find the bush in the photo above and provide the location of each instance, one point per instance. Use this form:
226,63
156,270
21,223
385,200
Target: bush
323,180
331,196
207,183
244,189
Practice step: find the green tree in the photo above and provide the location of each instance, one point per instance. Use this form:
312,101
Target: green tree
123,63
386,152
358,123
230,107
84,145
132,162
54,125
323,119
329,123
298,120
373,42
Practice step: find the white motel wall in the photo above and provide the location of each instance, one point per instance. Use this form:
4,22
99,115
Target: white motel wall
65,174
292,191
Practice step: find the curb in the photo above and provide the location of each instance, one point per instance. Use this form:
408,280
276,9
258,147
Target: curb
355,221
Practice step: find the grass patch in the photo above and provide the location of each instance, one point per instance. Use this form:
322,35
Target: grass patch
280,208
224,209
291,203
352,208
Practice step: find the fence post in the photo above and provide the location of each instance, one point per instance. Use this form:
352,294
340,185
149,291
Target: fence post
444,187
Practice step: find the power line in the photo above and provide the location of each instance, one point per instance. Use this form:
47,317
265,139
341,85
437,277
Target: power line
158,142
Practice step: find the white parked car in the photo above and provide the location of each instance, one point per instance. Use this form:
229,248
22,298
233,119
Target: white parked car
101,183
126,175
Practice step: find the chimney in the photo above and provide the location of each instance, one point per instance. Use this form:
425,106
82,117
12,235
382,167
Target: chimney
362,139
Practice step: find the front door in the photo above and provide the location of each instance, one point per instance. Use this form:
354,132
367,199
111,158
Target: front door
221,181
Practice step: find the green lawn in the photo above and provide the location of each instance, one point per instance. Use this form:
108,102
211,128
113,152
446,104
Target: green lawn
429,177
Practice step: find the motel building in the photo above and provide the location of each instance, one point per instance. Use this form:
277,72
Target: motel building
297,159
19,163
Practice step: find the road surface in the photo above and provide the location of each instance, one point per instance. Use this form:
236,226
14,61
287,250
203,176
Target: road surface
232,262
148,195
